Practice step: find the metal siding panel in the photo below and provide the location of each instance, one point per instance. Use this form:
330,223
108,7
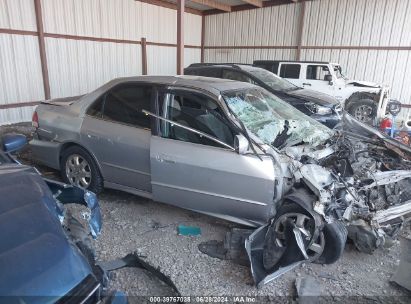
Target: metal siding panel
18,15
406,31
20,69
377,22
192,31
161,60
191,56
10,116
78,67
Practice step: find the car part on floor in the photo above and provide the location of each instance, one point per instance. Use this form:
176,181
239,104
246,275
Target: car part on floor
67,194
188,230
232,248
403,274
308,290
134,260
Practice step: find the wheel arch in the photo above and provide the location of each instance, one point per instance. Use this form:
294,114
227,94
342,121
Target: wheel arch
70,144
357,96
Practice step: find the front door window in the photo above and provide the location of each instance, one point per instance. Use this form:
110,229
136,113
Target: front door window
194,112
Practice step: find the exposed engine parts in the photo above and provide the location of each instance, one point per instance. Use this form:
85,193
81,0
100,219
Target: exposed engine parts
355,179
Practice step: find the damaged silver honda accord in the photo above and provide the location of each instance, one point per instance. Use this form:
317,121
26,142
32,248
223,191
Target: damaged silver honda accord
235,151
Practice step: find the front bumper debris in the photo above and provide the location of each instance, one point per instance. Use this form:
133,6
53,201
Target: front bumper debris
286,259
67,194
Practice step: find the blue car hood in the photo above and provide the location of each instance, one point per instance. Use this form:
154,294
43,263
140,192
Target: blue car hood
36,257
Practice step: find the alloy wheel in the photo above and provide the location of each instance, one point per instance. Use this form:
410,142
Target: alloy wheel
78,171
364,113
305,225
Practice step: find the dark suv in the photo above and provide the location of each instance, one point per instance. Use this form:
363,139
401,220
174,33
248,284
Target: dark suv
322,107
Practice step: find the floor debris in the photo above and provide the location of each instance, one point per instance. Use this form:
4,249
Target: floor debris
308,290
188,230
403,275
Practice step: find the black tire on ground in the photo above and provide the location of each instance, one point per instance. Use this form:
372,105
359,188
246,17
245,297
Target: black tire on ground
335,235
367,107
96,184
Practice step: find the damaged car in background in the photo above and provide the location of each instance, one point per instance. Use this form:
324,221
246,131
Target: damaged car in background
46,254
234,151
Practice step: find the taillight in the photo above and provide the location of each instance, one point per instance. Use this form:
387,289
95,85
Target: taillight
35,120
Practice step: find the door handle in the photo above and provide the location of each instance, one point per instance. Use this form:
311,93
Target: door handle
307,84
165,159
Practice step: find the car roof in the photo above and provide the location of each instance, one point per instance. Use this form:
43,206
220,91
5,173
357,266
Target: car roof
213,85
288,61
234,66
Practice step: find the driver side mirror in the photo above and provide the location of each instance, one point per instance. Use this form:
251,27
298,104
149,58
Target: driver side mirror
241,144
13,142
329,78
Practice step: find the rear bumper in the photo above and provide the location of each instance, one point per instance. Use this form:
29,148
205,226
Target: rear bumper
46,153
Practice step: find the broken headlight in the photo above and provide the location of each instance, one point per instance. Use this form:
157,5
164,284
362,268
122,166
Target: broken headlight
317,109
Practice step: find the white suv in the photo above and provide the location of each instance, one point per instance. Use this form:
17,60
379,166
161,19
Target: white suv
366,101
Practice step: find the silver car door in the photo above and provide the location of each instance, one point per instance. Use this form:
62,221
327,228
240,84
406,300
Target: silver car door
119,135
194,166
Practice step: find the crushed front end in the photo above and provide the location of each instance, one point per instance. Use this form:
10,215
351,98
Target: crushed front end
357,184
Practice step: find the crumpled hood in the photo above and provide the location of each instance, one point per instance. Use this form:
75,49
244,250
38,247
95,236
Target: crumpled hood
315,97
34,250
352,125
367,84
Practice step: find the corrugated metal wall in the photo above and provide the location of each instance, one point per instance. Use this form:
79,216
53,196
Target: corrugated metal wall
272,26
78,66
348,23
20,68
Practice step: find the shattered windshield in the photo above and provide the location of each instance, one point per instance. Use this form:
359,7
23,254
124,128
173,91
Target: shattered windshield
274,121
272,80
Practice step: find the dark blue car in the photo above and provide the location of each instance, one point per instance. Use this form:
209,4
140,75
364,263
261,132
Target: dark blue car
44,257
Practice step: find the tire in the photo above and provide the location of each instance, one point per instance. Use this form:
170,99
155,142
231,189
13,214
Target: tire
335,235
290,209
93,181
363,110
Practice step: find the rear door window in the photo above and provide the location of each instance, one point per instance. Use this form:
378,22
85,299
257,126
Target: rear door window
291,71
124,104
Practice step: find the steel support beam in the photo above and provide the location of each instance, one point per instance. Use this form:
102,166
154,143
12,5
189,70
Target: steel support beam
180,37
42,49
144,56
300,31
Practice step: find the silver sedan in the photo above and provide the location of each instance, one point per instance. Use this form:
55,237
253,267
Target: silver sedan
235,151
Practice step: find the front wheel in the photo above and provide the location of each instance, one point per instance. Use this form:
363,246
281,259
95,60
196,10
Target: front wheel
363,110
78,168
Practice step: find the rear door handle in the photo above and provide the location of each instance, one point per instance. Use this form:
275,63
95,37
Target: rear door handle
307,84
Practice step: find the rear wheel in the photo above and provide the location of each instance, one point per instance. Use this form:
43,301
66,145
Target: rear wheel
79,168
363,110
